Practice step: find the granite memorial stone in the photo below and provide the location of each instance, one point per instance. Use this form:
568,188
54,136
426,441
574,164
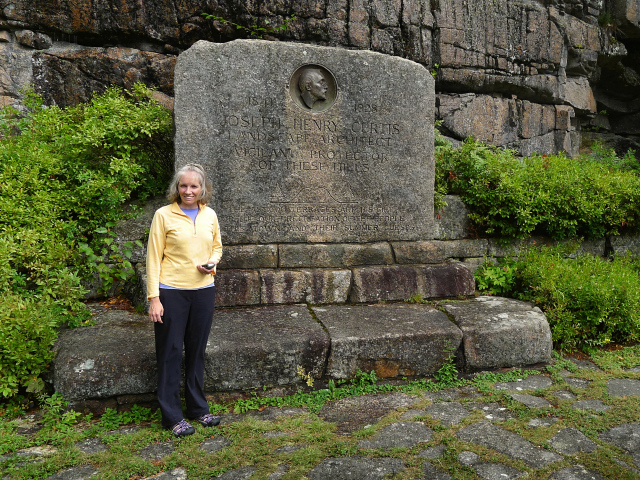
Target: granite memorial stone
308,144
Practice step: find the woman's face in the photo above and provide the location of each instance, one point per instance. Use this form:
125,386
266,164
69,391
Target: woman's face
189,188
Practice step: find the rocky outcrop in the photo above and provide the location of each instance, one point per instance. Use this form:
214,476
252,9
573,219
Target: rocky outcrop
526,74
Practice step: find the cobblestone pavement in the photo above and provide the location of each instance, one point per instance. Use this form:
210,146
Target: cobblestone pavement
578,425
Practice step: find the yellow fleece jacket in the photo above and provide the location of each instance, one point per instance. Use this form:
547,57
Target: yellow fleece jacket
176,247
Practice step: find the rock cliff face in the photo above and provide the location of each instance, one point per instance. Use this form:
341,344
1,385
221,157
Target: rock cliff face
534,75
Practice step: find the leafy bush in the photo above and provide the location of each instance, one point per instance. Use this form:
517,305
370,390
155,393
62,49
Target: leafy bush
590,197
589,301
64,176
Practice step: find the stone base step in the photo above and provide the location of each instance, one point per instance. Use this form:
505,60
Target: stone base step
266,346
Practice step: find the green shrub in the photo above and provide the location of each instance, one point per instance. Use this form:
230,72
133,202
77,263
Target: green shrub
64,177
551,195
589,301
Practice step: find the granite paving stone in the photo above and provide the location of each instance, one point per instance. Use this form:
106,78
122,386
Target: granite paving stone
76,473
508,443
530,401
585,364
356,468
411,414
401,434
91,445
241,473
433,452
353,413
595,405
533,382
279,473
468,458
576,473
214,444
492,411
625,436
497,471
448,413
430,472
564,395
623,387
635,369
541,422
572,441
157,451
175,474
577,382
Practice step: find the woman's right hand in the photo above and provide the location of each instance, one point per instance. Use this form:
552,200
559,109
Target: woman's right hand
156,310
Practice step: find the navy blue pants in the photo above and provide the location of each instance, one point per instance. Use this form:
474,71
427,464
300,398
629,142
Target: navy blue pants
186,321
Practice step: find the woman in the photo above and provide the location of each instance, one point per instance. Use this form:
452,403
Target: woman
183,251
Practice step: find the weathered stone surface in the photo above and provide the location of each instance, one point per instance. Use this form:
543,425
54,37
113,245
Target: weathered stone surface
87,70
91,445
530,401
212,445
452,223
466,248
501,332
318,286
623,387
576,473
625,244
354,166
625,436
156,451
263,346
249,256
352,413
432,473
76,473
367,338
520,124
497,471
334,255
175,474
532,382
39,41
355,468
493,412
419,252
124,363
448,413
237,287
399,435
373,284
595,405
137,228
571,441
510,444
242,473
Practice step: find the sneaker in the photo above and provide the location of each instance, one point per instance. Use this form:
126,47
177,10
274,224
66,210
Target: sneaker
183,428
208,420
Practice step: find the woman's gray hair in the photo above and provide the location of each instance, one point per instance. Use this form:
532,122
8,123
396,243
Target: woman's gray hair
173,192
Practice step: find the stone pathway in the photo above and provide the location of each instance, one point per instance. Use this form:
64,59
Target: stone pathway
454,433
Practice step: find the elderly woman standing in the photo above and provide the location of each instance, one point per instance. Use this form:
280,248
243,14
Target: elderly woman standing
183,251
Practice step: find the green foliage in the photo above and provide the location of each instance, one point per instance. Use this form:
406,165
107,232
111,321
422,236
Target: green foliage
590,197
447,374
64,176
496,279
589,301
55,415
254,30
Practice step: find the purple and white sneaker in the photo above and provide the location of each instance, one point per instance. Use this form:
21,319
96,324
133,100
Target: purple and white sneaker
208,420
183,428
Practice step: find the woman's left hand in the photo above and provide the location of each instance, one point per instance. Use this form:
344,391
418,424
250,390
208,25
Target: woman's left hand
201,269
